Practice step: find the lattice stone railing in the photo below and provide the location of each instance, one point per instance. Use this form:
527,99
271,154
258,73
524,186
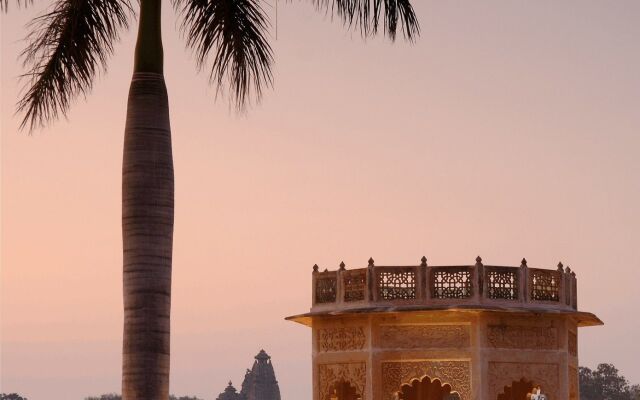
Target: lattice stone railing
502,283
545,285
451,282
425,285
326,288
396,283
355,285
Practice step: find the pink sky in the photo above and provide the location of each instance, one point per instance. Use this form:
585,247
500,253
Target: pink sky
510,130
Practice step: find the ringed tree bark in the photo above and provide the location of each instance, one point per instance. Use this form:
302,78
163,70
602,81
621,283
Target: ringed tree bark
147,218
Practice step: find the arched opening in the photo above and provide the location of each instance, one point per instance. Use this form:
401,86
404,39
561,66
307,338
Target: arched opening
342,390
519,390
427,389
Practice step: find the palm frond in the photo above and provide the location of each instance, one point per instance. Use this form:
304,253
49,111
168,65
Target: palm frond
4,4
234,31
66,47
365,15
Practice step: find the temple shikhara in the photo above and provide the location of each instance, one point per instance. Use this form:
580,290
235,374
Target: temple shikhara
259,382
422,332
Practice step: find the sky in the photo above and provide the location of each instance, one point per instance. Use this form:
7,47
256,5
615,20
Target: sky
510,129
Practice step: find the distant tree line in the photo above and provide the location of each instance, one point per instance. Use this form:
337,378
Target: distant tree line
108,396
11,396
115,396
603,383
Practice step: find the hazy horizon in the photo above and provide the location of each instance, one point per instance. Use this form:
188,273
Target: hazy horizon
508,130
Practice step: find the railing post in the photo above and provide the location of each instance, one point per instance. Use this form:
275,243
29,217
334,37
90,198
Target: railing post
340,283
314,276
568,291
424,282
370,280
561,284
477,277
524,281
574,291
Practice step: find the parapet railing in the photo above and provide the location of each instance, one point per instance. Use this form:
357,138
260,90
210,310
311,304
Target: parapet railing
423,284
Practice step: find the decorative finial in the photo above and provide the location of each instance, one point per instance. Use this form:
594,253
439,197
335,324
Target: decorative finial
567,270
423,261
560,267
371,261
315,267
342,265
524,262
230,384
262,355
479,260
573,273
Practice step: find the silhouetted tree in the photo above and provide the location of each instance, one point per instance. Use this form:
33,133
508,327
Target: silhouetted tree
172,397
11,396
605,383
108,396
69,45
635,392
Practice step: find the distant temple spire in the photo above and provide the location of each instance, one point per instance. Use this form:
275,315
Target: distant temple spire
229,393
259,382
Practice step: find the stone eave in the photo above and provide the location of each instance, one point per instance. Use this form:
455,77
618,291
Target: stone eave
582,318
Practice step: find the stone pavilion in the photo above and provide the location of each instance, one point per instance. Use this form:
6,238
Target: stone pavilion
422,332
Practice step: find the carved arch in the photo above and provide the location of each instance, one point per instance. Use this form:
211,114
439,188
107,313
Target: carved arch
427,389
343,390
329,375
455,372
503,374
518,390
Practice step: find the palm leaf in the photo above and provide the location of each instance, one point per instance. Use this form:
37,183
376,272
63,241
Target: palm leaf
66,47
365,15
234,31
4,4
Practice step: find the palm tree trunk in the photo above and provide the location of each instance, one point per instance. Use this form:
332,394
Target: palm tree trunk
147,219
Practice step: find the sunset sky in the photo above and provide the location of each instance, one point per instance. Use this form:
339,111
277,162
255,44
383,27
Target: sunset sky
510,129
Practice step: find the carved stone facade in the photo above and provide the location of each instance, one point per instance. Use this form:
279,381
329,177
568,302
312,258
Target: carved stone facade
341,338
522,337
503,374
573,384
480,354
572,344
330,374
424,336
455,373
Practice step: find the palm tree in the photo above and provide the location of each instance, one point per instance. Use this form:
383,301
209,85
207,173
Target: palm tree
71,42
